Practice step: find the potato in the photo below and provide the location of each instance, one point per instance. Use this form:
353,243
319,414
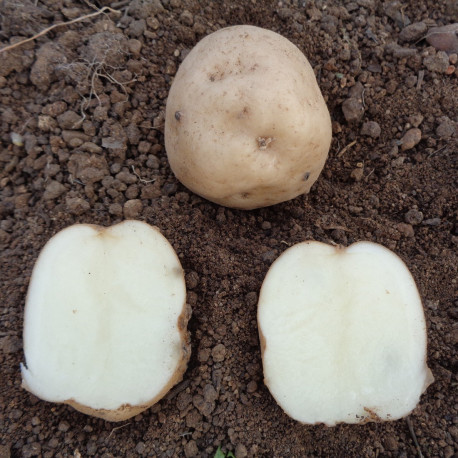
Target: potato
246,124
343,334
105,325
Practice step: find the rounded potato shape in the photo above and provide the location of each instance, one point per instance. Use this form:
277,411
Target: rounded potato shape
105,325
343,334
246,124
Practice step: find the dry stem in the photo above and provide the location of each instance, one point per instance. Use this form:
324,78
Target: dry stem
45,31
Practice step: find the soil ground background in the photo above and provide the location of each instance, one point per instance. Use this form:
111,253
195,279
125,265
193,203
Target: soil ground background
81,132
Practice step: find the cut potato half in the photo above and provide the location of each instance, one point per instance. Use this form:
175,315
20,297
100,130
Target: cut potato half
105,320
343,334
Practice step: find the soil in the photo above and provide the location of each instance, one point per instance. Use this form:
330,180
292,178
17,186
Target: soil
81,130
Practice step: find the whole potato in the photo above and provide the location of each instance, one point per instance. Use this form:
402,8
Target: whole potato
246,125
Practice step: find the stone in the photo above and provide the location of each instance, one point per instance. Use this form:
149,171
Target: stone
43,71
209,393
88,168
31,449
371,129
136,28
391,443
135,46
406,229
184,399
115,209
438,63
357,174
203,406
219,353
69,120
395,11
10,344
53,190
413,217
54,109
413,32
143,9
444,38
240,451
190,449
353,110
77,206
410,139
446,129
70,136
140,448
5,451
63,426
133,209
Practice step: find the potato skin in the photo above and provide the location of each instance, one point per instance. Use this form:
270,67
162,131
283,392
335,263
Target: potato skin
246,124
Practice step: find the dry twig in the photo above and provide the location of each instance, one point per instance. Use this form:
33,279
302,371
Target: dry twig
118,427
344,150
45,31
142,179
414,437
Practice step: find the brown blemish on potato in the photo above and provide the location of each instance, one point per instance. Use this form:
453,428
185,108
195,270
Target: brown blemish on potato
371,416
306,176
178,115
264,142
244,113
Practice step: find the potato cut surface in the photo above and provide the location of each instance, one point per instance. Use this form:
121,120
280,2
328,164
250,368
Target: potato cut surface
101,325
343,334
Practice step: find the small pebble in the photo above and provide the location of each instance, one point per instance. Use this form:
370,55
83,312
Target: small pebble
413,32
77,206
371,129
115,209
135,46
219,353
140,448
391,443
444,38
446,129
133,208
406,229
69,120
413,217
63,426
353,110
210,394
410,139
190,449
415,120
357,174
240,451
438,63
53,190
252,387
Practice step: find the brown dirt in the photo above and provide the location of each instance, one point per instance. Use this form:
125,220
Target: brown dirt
112,164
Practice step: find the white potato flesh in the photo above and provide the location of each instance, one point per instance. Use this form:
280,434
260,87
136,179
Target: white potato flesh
343,334
105,320
246,124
